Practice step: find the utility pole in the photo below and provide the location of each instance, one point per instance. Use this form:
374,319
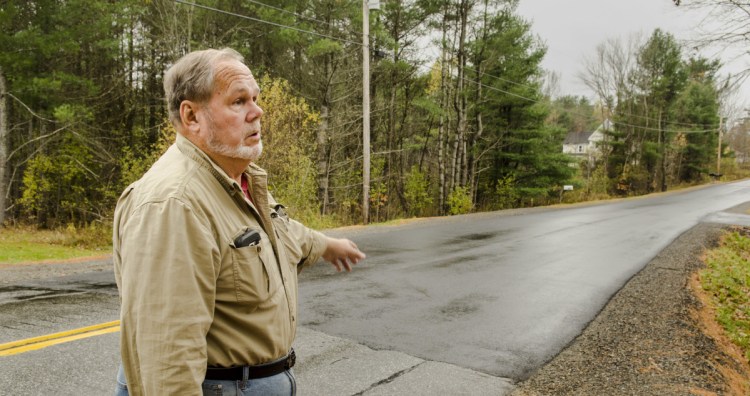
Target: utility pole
718,155
365,111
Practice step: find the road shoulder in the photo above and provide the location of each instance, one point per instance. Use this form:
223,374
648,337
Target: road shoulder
648,339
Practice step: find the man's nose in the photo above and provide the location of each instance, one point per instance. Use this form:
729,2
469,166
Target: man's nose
254,113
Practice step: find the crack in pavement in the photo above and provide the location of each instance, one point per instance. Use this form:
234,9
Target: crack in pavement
390,379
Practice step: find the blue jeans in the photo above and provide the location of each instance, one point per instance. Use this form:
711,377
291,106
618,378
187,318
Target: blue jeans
282,384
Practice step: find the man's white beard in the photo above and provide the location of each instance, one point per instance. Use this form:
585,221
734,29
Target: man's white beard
251,153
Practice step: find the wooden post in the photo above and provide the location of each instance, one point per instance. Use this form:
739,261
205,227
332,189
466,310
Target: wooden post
365,111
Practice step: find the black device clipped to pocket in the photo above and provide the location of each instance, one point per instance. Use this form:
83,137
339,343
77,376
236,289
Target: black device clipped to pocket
248,238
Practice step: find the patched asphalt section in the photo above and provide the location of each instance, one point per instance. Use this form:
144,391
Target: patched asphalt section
337,366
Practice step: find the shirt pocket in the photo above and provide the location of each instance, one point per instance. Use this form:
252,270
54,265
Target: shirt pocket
250,265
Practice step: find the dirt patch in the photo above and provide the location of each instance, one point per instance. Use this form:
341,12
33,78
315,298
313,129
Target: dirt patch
652,338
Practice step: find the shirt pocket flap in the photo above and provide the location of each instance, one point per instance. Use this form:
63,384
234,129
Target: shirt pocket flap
252,281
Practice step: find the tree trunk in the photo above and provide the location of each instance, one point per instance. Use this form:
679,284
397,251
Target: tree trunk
442,122
3,146
472,179
323,178
459,171
663,147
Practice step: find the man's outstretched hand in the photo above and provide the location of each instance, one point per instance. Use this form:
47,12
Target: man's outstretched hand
342,253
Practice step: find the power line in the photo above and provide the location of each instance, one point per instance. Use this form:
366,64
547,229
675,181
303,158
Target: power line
295,14
623,114
481,73
644,128
535,101
265,22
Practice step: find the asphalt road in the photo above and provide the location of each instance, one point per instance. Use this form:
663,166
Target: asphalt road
500,293
42,306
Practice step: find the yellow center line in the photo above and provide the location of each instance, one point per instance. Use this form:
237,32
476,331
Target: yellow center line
31,344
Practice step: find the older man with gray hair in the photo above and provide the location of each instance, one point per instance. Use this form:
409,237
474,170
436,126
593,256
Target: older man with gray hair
205,259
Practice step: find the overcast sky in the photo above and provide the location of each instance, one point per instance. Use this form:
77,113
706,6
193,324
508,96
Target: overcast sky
573,28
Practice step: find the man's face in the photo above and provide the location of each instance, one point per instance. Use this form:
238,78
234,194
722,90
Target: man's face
232,119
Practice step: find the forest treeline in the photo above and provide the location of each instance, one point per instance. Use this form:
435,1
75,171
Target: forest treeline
463,117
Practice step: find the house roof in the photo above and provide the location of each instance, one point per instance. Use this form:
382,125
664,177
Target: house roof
584,137
578,137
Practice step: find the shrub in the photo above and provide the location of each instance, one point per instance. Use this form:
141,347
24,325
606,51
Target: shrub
459,201
416,191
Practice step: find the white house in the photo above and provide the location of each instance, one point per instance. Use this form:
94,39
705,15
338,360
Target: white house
584,144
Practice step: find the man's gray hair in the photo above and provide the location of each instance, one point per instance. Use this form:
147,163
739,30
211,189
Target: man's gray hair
192,78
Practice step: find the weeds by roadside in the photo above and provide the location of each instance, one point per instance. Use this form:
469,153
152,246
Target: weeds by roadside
727,280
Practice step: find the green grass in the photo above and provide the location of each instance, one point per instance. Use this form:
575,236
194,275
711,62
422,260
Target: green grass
24,244
727,280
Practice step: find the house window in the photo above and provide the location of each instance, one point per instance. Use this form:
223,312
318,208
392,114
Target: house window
580,148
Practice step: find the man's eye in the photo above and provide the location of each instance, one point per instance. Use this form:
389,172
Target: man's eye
239,101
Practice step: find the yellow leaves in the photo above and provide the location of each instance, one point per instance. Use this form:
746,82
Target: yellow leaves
286,117
289,130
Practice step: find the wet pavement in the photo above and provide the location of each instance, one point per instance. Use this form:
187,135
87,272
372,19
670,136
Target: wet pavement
500,293
468,303
59,286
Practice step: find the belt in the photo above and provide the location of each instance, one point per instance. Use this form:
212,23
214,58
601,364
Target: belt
241,373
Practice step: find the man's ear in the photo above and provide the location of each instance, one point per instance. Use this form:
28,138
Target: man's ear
189,116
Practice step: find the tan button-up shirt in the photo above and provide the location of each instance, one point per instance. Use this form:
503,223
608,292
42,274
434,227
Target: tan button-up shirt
190,298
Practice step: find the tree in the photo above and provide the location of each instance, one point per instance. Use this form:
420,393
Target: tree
697,111
665,110
3,145
289,128
516,142
609,75
725,26
61,64
726,23
83,112
397,87
660,78
738,140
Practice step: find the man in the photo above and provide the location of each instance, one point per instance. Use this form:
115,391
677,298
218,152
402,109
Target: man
205,260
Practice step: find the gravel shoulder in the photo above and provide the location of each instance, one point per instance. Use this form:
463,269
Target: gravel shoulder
656,336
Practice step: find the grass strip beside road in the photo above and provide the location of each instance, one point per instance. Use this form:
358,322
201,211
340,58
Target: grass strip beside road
29,245
41,253
727,280
31,344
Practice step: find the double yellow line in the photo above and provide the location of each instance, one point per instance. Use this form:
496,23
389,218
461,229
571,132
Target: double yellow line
31,344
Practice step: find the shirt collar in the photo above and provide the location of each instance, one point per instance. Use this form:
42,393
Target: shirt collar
192,151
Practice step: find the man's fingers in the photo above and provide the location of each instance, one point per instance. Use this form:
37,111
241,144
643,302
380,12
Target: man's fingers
343,254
